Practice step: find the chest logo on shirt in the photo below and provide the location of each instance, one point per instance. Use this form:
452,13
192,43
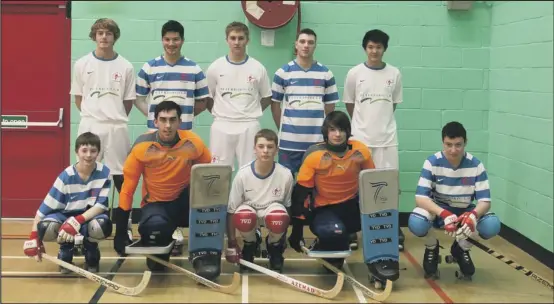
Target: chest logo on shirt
276,192
117,77
101,92
175,96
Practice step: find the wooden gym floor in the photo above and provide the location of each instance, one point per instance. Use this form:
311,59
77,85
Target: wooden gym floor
24,280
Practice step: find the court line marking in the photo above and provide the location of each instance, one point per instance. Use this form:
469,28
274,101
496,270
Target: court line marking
15,274
438,290
245,288
361,297
22,257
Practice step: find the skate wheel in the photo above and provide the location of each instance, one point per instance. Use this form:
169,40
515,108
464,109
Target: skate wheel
378,285
264,254
449,259
401,247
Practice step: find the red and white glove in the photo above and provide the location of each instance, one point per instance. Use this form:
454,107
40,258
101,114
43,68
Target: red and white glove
70,228
467,223
450,222
233,252
34,247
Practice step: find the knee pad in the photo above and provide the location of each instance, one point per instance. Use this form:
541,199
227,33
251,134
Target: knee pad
156,230
488,226
328,226
48,229
99,228
419,222
277,221
245,219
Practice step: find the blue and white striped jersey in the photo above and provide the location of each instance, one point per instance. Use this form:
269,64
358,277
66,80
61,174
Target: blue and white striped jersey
454,187
303,94
70,194
183,83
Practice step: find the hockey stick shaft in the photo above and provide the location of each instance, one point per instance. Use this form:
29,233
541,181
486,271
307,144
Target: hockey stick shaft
221,288
514,265
327,294
381,297
124,290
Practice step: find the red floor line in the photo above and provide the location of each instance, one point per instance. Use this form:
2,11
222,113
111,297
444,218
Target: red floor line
432,283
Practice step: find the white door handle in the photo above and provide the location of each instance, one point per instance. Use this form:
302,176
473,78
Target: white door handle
20,121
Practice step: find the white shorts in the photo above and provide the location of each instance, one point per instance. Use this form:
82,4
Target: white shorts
385,157
233,139
115,143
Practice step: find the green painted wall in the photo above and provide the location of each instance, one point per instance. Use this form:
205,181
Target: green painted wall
444,57
520,158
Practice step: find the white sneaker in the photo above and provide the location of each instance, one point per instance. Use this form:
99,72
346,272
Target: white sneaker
178,236
130,229
179,240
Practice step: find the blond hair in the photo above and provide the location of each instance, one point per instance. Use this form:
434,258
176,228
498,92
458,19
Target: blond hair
237,27
104,24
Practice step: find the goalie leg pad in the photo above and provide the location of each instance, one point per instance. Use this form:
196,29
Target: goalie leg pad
207,264
48,228
155,227
99,228
420,221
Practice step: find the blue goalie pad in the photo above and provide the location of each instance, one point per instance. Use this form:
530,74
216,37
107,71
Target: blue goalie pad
209,196
379,212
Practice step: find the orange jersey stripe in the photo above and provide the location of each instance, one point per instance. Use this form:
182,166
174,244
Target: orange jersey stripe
334,178
165,170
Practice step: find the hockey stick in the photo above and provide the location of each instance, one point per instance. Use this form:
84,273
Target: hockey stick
381,297
111,203
124,290
327,294
513,264
221,288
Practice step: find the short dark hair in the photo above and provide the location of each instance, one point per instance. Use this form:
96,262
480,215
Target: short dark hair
173,26
376,36
307,31
86,139
336,119
454,129
268,134
166,106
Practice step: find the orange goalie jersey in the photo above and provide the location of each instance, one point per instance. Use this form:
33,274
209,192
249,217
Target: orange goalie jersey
334,178
165,170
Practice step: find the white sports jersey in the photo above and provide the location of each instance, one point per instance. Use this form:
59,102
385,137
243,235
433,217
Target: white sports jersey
184,82
374,91
259,192
303,94
70,194
237,89
456,188
104,85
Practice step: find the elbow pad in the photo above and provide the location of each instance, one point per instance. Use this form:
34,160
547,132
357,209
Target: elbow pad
299,195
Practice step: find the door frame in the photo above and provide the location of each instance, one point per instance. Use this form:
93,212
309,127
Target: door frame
64,77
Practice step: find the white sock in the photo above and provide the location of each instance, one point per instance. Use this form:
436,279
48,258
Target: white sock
464,244
431,239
